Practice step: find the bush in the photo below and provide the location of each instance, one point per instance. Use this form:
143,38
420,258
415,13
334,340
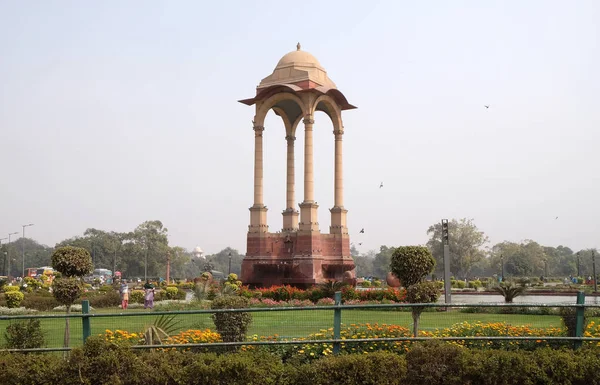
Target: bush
137,296
67,290
40,300
11,288
435,362
24,335
365,284
568,316
411,263
14,298
232,326
476,284
72,261
102,299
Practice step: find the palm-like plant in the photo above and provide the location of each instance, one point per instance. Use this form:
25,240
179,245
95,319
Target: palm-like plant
510,291
160,330
329,287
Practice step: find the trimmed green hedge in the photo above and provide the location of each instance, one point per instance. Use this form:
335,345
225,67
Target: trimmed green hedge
432,363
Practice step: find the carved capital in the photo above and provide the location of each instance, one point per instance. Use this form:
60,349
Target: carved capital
290,138
338,133
258,130
308,120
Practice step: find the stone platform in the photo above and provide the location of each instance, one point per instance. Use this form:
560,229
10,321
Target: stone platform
295,259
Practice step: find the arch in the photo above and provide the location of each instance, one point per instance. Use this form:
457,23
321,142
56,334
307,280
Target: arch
286,120
262,108
329,106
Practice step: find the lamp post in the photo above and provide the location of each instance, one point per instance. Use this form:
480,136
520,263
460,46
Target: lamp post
23,246
4,254
9,235
229,262
594,271
546,268
502,263
578,266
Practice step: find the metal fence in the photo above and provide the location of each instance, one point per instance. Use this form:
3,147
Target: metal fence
338,325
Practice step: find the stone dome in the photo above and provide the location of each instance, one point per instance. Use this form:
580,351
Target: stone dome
298,57
298,68
197,249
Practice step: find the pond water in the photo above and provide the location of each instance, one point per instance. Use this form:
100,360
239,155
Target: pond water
528,299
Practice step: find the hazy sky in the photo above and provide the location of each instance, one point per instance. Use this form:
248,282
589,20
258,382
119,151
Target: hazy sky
117,112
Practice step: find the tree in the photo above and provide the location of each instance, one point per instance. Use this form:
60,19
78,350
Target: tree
220,261
466,243
520,259
381,263
73,263
411,264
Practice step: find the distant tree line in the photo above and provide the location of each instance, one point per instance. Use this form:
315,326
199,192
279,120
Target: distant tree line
470,254
127,252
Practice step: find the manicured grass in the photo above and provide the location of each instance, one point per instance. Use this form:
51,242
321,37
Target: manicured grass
286,323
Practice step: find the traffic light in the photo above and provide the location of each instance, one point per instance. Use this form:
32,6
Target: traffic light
445,231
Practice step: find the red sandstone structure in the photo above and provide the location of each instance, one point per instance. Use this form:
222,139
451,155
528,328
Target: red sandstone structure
300,254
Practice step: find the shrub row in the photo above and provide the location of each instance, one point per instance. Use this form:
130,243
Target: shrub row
99,362
349,293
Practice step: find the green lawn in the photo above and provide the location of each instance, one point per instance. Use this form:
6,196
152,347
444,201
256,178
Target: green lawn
287,323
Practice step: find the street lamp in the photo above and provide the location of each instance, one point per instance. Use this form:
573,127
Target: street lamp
4,253
9,235
578,265
230,262
502,263
23,246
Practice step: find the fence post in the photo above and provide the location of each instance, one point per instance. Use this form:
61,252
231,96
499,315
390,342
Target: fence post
579,313
337,321
85,309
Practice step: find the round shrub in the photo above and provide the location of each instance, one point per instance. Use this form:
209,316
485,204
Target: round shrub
14,298
72,261
11,288
411,264
423,292
137,296
24,335
67,290
365,284
232,326
171,292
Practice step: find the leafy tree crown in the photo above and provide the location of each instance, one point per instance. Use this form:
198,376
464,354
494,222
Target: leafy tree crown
411,264
72,261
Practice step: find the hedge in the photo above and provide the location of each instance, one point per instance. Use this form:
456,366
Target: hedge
432,363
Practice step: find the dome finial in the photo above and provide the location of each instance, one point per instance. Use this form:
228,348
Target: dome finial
298,47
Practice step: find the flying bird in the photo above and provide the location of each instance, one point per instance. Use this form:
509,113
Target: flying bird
556,218
362,231
381,185
360,243
487,106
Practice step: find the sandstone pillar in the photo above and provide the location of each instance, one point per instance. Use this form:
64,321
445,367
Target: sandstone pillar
290,215
338,213
308,208
258,211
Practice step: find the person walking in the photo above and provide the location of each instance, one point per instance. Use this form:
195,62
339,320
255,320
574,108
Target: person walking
148,295
124,290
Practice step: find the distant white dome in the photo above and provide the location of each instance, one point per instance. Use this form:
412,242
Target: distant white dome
197,252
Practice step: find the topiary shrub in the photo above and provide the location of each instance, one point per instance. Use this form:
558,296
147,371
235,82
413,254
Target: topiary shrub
73,263
40,300
232,326
13,299
24,335
411,264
